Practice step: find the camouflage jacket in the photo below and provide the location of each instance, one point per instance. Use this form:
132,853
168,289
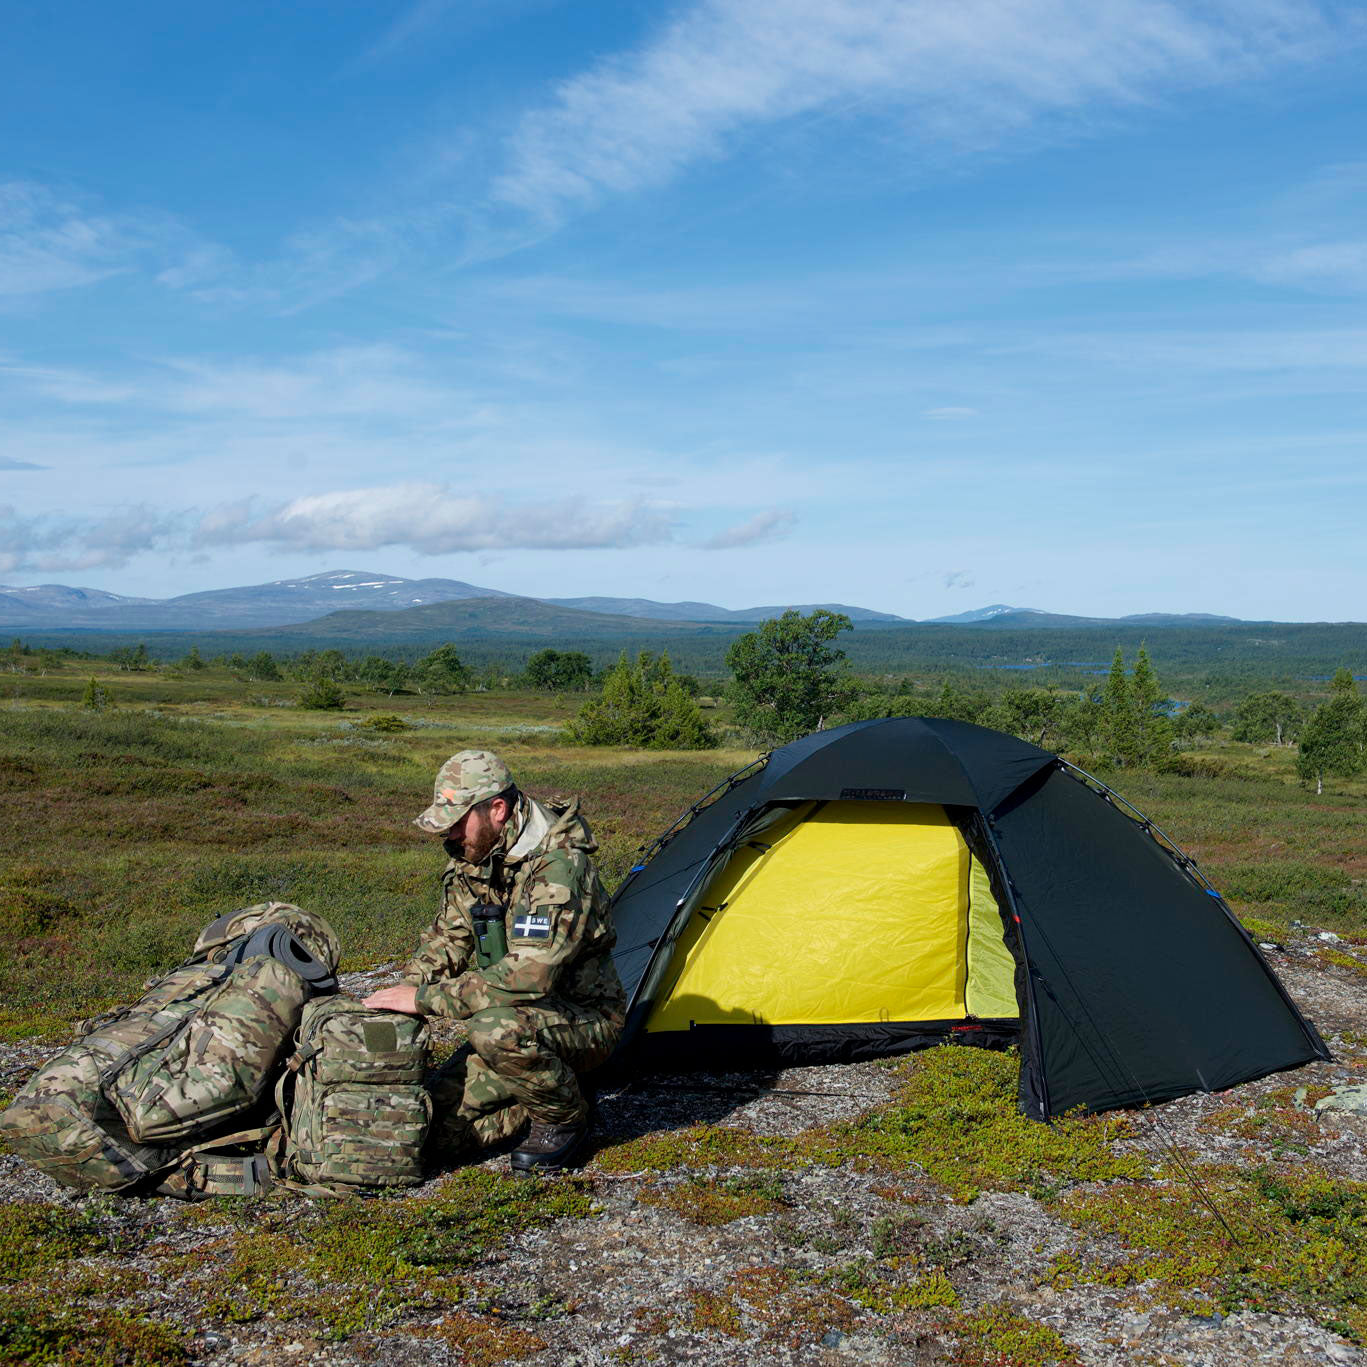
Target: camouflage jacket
556,919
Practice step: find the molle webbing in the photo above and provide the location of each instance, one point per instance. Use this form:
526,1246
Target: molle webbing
356,1112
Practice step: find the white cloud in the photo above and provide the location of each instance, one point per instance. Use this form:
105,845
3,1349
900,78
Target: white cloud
959,579
428,519
968,73
45,544
950,414
433,520
771,525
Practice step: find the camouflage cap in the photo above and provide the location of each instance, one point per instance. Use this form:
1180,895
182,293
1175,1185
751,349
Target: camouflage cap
464,780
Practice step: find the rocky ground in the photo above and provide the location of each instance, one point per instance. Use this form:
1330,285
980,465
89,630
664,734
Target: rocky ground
808,1264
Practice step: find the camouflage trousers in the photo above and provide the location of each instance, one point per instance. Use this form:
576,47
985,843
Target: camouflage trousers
521,1063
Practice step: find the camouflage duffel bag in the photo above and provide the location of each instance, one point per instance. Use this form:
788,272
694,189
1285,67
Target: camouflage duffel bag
192,1058
356,1114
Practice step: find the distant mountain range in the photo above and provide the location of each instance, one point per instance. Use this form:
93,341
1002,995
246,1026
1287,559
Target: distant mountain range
291,602
362,603
710,612
999,615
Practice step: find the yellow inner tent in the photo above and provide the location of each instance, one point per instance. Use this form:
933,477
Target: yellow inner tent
843,912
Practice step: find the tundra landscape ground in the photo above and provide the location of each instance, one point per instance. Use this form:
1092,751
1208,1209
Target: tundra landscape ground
898,1212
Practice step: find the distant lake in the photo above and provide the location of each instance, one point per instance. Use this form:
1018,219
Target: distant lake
1090,666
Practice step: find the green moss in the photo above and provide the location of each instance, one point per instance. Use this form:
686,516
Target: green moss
1298,1241
455,1227
957,1118
996,1336
1338,959
701,1146
1262,928
358,1264
718,1203
41,1330
868,1286
35,1237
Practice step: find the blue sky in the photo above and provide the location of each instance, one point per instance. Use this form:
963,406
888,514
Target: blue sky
909,305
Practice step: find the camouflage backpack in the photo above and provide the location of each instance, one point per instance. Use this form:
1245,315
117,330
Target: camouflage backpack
356,1114
193,1058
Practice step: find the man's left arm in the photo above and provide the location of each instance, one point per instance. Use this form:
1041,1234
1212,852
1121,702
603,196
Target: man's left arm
549,922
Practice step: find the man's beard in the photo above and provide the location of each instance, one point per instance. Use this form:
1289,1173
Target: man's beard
480,844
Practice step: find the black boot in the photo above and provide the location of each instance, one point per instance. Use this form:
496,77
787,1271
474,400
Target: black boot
550,1148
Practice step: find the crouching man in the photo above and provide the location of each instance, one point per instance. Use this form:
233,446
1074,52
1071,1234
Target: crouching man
521,951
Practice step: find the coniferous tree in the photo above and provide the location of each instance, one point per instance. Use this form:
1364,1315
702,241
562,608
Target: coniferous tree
1118,718
643,705
262,666
1152,729
323,694
96,697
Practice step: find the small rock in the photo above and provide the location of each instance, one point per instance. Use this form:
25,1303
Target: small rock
1352,1099
833,1338
1330,936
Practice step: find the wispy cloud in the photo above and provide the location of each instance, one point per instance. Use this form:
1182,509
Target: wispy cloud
422,21
968,73
47,243
959,579
338,385
8,463
51,241
950,414
772,525
1330,266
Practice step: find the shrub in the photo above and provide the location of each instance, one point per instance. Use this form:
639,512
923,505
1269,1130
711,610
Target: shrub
322,695
643,705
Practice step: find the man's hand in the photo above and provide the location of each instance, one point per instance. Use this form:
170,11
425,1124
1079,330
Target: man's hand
402,998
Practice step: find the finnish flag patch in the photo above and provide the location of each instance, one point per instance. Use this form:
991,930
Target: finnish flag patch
532,927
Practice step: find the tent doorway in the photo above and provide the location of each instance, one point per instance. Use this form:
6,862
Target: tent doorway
877,910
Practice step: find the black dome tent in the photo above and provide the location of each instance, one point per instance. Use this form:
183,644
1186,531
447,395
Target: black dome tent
890,884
